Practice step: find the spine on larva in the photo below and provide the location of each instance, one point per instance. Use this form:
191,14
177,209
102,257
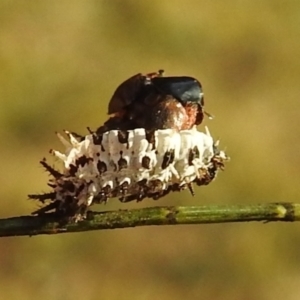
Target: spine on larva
129,165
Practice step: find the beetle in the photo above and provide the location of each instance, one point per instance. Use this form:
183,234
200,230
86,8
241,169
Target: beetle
153,101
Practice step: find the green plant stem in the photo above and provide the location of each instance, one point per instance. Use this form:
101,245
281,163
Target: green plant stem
163,215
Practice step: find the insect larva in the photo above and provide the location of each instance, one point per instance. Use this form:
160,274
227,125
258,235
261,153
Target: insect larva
129,165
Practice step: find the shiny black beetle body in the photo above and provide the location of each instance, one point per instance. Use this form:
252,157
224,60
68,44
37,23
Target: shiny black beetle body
183,88
155,102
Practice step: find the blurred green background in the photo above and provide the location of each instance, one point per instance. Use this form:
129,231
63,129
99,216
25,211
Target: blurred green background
60,62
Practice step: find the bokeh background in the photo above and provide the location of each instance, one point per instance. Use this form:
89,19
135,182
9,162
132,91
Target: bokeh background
60,62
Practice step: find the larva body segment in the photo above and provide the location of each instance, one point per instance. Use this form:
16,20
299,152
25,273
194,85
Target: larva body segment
131,165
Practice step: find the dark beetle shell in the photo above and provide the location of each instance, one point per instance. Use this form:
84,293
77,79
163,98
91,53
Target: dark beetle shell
139,86
126,93
152,101
183,88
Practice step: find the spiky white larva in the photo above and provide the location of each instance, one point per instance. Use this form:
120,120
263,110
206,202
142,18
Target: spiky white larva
136,162
138,148
130,165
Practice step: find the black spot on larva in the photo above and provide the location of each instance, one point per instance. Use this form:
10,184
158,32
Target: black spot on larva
97,139
150,137
168,158
191,157
81,161
146,162
101,167
73,169
123,137
122,164
193,154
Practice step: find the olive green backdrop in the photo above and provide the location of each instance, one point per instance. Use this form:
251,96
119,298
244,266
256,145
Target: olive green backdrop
60,62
